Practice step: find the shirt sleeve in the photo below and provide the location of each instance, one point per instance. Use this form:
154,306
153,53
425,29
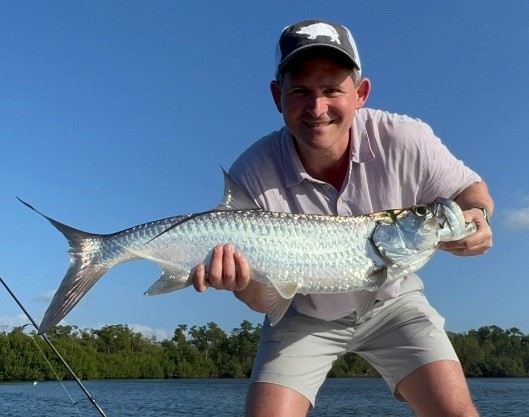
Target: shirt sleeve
443,175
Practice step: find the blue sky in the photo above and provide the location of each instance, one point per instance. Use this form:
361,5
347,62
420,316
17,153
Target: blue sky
117,113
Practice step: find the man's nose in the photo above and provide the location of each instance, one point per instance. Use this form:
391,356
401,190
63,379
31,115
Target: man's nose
316,105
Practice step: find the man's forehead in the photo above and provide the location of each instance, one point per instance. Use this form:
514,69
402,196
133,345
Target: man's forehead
317,72
317,54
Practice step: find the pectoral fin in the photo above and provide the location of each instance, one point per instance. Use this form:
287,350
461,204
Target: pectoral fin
277,306
278,297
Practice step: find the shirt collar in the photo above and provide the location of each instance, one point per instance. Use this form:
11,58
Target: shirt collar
361,150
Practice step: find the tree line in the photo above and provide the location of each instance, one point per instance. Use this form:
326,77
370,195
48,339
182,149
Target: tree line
116,351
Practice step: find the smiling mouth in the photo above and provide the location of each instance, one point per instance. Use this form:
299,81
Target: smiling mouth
318,124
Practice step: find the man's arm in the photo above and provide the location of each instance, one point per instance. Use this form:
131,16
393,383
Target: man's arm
471,200
229,270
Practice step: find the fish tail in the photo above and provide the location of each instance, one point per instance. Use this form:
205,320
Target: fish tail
86,267
78,280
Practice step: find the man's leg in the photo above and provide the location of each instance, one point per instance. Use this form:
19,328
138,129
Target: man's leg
292,362
265,400
438,389
404,339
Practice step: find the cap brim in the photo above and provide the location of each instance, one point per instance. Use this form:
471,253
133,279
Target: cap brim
305,48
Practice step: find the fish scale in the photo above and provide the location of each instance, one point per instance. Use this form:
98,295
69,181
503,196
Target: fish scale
320,248
289,253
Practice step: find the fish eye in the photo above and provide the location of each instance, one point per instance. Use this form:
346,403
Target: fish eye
421,210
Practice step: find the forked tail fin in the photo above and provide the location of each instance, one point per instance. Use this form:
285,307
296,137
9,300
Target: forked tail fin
76,283
86,267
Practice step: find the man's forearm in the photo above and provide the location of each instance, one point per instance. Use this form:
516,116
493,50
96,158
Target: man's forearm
254,295
476,196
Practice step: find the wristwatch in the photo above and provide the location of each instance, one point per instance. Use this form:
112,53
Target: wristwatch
486,213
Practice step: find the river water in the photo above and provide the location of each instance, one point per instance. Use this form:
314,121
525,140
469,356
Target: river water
225,397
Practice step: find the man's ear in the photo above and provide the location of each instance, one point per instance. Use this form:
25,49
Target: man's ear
276,95
362,92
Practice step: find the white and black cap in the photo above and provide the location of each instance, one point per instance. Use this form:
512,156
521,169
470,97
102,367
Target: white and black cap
307,34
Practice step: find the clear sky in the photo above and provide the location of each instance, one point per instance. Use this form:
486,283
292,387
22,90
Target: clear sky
117,113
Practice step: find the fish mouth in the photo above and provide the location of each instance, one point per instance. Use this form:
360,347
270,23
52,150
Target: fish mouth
446,214
439,212
450,220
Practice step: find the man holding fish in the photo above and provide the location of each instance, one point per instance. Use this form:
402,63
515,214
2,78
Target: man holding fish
336,157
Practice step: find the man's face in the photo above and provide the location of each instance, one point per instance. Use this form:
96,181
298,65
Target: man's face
318,101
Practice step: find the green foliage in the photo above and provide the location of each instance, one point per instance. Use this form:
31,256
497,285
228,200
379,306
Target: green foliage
117,351
352,365
492,351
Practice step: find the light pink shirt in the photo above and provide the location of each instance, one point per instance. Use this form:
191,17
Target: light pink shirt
395,162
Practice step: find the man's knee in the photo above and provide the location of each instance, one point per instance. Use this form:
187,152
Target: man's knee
438,389
264,400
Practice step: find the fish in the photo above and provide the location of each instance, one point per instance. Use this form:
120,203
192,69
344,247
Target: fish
288,252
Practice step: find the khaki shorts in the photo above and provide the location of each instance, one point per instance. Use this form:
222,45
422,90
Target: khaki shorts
396,337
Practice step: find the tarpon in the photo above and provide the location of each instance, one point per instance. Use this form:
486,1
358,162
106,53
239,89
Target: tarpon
290,253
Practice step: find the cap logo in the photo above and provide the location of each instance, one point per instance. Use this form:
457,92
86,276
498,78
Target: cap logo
320,29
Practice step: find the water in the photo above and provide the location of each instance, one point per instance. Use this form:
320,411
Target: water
225,397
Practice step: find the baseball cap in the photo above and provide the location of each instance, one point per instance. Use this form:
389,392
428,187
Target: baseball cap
315,33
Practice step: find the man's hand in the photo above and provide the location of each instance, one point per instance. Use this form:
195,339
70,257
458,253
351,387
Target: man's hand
228,270
477,243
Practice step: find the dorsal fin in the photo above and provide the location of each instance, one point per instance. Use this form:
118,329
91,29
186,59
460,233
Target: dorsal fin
234,197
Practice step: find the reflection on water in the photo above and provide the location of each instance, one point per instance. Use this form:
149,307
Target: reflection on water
225,397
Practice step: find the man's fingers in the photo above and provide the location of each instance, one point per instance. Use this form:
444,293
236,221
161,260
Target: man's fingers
199,279
476,244
222,270
215,267
228,270
243,277
228,264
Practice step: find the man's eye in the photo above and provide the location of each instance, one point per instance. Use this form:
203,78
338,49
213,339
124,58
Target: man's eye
299,92
332,92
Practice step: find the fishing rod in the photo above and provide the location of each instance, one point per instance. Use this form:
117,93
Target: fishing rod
72,373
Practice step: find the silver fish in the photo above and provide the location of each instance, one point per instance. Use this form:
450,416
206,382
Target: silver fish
290,253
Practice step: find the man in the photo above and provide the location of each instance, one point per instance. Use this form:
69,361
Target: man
335,157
